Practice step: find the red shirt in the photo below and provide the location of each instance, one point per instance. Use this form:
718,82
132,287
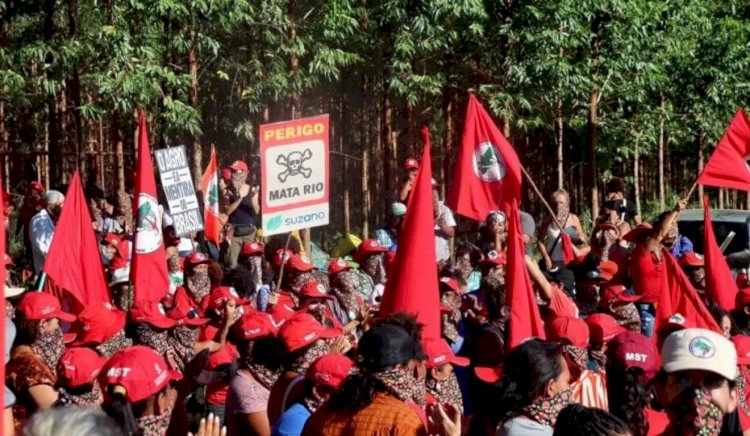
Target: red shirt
647,272
561,305
216,392
657,422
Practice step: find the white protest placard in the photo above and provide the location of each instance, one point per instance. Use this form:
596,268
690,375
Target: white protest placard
177,184
294,173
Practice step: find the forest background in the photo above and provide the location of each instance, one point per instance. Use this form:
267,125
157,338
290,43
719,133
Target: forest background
584,89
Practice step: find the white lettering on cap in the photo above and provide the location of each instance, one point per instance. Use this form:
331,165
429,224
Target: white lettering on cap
636,357
310,336
118,372
439,359
46,310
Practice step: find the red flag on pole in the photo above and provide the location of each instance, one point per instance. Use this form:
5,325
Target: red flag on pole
210,188
74,265
412,284
525,320
720,284
728,166
148,271
487,173
679,296
567,248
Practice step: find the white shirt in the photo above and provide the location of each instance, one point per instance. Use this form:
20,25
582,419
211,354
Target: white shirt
41,231
442,244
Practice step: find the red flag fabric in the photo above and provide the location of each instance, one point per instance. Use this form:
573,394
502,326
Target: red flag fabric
148,271
412,284
720,283
487,173
679,296
73,263
728,166
567,248
525,319
210,189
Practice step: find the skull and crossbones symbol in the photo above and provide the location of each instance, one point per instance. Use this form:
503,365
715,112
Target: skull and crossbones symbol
293,163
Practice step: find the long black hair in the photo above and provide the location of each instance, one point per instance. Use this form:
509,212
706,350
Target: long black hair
629,393
267,351
126,414
526,373
578,419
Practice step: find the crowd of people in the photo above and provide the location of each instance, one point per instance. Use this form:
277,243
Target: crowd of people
253,338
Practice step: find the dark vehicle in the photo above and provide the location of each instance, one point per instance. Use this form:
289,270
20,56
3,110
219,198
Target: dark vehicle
725,221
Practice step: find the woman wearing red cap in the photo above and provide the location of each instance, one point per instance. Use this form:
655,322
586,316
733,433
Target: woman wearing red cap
37,349
76,378
242,206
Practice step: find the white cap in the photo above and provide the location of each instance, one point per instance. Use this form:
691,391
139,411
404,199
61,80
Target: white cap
699,349
13,291
54,197
120,276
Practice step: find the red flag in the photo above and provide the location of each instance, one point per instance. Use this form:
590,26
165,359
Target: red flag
487,173
728,166
148,271
679,296
720,284
210,188
74,264
525,320
567,248
412,284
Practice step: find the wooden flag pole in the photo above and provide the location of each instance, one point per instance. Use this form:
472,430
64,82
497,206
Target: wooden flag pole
541,197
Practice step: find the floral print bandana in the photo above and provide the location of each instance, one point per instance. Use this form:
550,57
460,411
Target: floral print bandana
397,383
238,180
742,387
89,399
373,266
199,284
156,339
545,410
562,213
154,425
449,321
696,414
446,391
577,356
599,357
114,344
265,376
344,287
311,355
50,346
182,340
10,311
627,316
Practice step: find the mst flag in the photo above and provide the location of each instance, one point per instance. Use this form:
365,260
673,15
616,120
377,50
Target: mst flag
720,283
210,188
412,284
148,271
74,265
487,173
728,166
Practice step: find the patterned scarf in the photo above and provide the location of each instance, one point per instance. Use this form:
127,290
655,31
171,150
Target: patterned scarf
599,357
173,263
311,403
121,297
742,387
450,321
154,425
10,311
238,180
114,344
354,282
373,267
627,316
577,356
696,414
96,214
295,280
89,399
310,355
446,391
545,410
397,383
199,284
266,377
182,340
255,266
156,339
125,206
563,212
50,346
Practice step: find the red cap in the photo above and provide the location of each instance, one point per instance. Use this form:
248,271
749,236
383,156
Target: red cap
116,263
607,270
603,327
675,322
254,325
617,294
99,322
6,199
196,258
449,283
495,258
302,330
573,330
123,248
633,350
79,366
367,248
300,263
112,239
281,256
742,345
251,248
226,174
140,370
330,370
183,312
238,165
640,232
439,353
489,374
337,265
411,164
42,306
692,260
314,289
218,297
151,312
742,298
36,186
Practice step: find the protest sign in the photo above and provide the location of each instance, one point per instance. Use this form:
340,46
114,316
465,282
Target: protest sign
177,184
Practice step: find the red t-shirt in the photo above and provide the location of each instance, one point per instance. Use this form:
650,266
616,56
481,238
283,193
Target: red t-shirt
561,305
283,309
647,271
657,422
216,392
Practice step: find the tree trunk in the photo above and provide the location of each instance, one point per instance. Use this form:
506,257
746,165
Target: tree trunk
389,150
119,150
636,178
197,151
365,195
662,196
700,162
560,148
592,170
344,163
447,146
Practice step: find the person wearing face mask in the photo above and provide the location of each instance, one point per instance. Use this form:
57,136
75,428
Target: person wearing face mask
323,378
550,240
602,329
441,382
108,248
138,394
76,378
533,389
616,301
369,255
197,283
699,370
411,168
42,228
494,232
375,399
242,206
39,343
102,327
694,267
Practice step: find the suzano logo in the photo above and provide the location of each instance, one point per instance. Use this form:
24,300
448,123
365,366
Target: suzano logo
307,218
274,222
